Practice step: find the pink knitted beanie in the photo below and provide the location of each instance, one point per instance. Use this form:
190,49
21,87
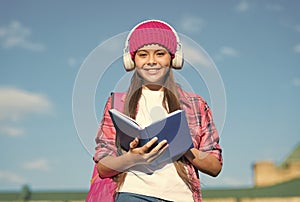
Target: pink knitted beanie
152,32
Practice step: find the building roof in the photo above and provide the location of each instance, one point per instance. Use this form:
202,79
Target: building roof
293,156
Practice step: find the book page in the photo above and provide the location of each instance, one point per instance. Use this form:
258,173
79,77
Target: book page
124,116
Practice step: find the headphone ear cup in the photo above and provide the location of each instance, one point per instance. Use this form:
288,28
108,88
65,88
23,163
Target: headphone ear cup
177,61
128,62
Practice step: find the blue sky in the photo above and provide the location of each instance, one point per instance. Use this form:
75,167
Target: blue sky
255,46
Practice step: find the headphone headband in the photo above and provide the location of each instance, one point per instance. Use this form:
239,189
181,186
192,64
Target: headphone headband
177,61
134,28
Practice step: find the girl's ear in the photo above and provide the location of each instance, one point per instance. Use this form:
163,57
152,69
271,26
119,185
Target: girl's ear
177,61
128,62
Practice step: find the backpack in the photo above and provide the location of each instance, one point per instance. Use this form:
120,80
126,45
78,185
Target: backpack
103,190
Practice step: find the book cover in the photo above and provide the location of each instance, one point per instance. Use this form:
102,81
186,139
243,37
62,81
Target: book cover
173,128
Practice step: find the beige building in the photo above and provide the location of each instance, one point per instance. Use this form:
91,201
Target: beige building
272,183
266,173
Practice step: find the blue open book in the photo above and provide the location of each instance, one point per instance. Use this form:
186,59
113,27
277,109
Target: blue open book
173,128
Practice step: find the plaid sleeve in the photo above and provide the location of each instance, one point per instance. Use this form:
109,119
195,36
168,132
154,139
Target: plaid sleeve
105,138
209,137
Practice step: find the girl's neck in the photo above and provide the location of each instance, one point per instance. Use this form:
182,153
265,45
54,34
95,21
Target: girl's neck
153,87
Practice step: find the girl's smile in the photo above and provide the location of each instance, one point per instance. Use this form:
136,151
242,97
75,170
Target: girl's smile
151,70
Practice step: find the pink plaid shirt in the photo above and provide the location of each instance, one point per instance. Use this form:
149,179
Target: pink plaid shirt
204,134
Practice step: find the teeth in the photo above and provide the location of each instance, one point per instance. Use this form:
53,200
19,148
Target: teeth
152,70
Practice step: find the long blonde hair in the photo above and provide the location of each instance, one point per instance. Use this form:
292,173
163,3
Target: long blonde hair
170,103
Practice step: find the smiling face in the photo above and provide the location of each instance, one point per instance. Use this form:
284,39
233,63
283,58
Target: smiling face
152,63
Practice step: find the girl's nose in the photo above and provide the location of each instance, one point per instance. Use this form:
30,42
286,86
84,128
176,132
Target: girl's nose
151,60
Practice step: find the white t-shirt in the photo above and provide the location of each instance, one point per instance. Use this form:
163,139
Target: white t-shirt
164,183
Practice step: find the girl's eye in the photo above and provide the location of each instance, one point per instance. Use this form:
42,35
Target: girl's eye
142,54
161,53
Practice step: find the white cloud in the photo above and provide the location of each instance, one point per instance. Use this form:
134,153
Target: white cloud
12,131
72,62
226,51
296,82
242,6
41,164
11,177
192,24
15,103
76,62
16,35
297,48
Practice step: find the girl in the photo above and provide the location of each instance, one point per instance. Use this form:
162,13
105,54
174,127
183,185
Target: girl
152,50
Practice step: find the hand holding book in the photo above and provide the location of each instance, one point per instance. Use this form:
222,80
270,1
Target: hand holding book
173,129
144,153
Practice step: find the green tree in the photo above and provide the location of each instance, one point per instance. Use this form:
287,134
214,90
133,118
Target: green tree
25,193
